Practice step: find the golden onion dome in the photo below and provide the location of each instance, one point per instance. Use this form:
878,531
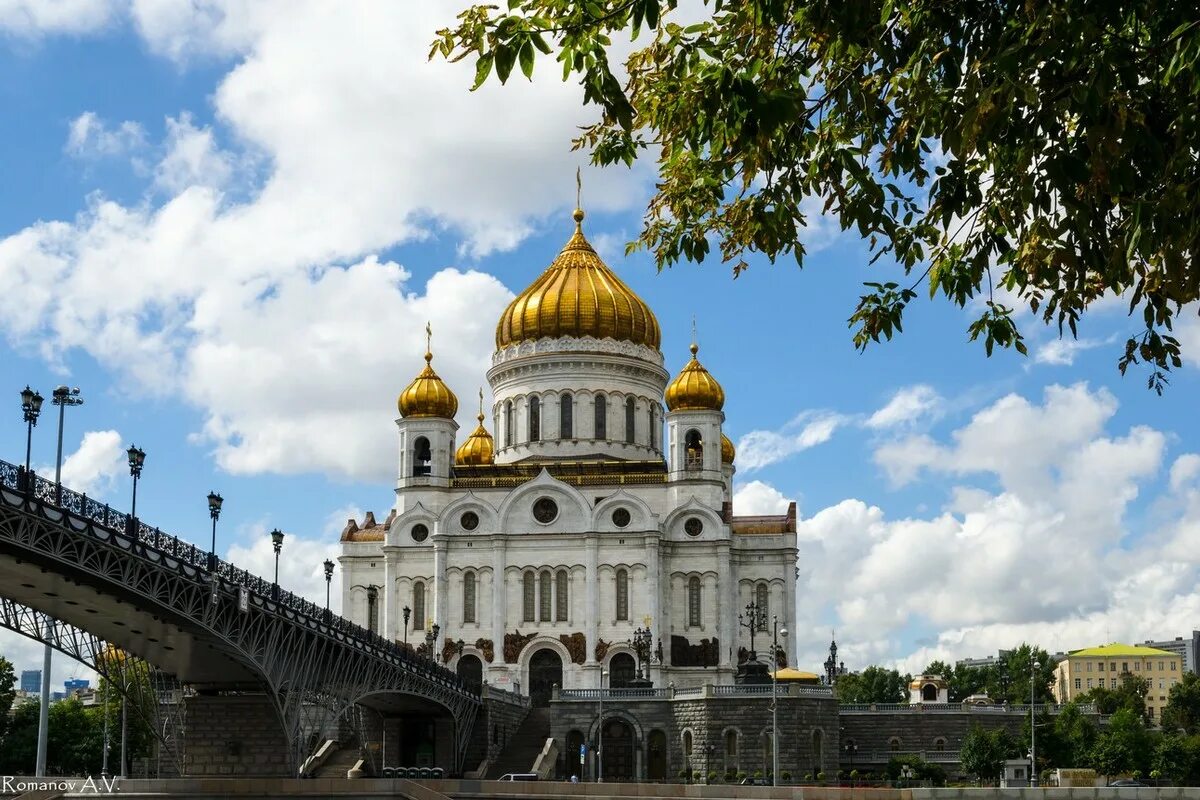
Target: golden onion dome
727,450
478,448
694,389
578,296
427,395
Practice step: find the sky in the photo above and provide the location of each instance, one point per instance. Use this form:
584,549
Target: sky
228,222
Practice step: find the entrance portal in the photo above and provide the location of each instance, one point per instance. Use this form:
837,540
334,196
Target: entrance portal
656,756
621,671
470,669
545,672
619,763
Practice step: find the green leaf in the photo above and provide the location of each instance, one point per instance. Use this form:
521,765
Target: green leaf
526,57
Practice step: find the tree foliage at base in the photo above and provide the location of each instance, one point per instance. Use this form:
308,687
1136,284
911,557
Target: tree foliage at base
983,752
1048,149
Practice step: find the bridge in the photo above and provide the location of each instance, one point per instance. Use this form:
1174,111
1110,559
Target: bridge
86,578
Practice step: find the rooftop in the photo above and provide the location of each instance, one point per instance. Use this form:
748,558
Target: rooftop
1118,649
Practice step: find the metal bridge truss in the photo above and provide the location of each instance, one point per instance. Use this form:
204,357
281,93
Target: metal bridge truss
303,655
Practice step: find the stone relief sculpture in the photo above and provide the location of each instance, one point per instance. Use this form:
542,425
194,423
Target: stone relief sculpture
514,643
601,649
685,654
576,644
485,647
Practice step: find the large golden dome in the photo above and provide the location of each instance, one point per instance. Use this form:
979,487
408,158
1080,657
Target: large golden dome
427,395
578,295
694,389
478,448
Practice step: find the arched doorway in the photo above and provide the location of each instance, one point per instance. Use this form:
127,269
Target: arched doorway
656,756
621,671
618,749
470,669
929,693
545,672
573,759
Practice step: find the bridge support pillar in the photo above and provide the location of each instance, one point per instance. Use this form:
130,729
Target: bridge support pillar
234,735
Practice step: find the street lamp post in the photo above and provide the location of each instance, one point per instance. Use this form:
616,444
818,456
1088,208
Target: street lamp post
1033,668
600,733
276,545
31,407
214,510
776,632
137,459
641,648
62,397
328,581
851,751
431,638
407,615
104,703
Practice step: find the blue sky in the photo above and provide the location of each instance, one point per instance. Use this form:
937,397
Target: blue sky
229,227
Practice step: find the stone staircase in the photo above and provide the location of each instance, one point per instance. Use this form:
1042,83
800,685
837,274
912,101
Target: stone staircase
338,764
524,746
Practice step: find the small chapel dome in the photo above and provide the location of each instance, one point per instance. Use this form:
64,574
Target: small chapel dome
578,296
478,449
727,450
694,389
427,395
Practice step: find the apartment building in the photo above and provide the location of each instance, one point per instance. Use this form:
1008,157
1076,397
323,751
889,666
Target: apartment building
1102,667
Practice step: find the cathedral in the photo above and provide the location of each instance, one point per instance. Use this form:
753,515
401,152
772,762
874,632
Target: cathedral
591,540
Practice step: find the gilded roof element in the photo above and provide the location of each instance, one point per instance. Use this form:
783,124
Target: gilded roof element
578,296
427,395
727,450
478,449
694,389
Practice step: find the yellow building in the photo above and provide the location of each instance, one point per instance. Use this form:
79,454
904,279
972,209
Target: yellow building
1102,667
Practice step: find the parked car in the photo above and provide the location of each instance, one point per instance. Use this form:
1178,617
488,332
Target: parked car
519,776
1126,782
755,782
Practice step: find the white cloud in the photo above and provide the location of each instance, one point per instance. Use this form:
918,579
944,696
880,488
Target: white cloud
756,497
758,449
301,562
1062,351
192,158
1184,471
1039,550
94,467
31,18
89,137
906,406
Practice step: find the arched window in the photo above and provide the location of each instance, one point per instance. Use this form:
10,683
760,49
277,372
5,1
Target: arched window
418,606
653,436
731,744
622,594
529,591
694,602
687,744
818,751
373,609
566,422
422,457
601,417
629,412
693,450
762,598
544,605
535,419
508,424
894,744
469,597
560,596
929,693
939,744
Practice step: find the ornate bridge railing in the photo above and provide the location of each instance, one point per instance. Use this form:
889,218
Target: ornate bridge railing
184,557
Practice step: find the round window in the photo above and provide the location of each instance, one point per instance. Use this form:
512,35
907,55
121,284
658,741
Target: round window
469,520
545,510
693,526
620,517
420,532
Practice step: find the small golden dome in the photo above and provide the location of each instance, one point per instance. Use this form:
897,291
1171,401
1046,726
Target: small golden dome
694,389
578,296
427,395
478,448
727,450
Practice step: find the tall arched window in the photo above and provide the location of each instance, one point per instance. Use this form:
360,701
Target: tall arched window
422,457
629,427
601,417
469,597
653,437
763,600
529,592
373,609
693,450
694,602
544,605
560,596
566,421
508,424
622,594
535,419
731,743
418,606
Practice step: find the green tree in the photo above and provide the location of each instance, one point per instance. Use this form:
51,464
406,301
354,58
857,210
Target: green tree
963,681
922,770
8,682
873,685
1008,681
1124,746
1176,758
19,753
1049,149
1069,741
1182,711
983,752
1129,694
